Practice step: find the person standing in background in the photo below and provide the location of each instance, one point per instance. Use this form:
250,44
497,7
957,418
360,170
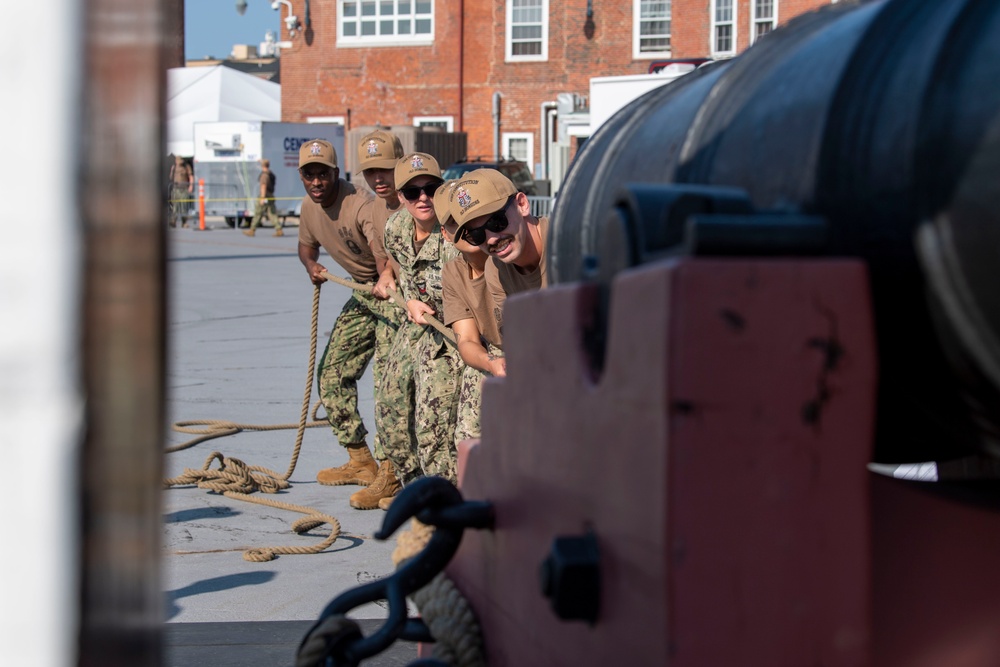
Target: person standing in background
265,201
181,192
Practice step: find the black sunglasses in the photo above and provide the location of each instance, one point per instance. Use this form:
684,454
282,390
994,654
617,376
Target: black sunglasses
497,222
412,192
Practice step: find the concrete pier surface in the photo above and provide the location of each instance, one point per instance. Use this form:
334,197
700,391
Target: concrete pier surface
239,332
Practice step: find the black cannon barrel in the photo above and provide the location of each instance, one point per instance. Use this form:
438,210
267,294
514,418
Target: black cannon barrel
869,130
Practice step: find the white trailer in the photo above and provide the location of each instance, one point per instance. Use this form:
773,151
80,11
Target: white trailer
608,94
226,155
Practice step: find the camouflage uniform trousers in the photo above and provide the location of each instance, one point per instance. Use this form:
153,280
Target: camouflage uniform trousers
364,329
422,377
180,205
394,413
470,399
265,210
438,377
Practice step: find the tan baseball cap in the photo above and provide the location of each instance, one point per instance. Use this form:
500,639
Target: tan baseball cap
441,202
379,150
412,165
317,151
478,192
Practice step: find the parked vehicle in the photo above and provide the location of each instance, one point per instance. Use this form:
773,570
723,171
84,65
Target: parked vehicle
515,170
608,94
658,66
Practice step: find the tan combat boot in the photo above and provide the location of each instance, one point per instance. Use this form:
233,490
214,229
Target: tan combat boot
386,485
248,232
278,232
386,502
360,469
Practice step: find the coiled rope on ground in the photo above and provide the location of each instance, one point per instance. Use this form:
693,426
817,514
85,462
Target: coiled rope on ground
444,609
235,479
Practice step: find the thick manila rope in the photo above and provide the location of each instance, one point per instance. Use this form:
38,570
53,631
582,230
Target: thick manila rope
443,608
235,479
397,299
446,612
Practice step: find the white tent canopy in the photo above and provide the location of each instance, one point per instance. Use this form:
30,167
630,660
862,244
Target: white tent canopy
197,94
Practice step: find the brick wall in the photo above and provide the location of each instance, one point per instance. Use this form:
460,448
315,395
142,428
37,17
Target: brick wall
390,85
692,23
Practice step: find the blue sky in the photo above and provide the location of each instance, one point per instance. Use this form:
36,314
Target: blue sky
212,27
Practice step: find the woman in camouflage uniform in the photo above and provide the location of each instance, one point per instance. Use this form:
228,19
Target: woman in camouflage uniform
423,369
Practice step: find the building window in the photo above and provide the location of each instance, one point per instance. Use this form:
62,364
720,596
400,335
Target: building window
520,146
651,29
384,22
723,27
446,123
765,18
527,30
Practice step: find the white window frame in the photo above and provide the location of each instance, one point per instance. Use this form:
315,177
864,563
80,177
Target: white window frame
637,54
754,20
369,41
716,53
418,121
505,139
336,120
508,36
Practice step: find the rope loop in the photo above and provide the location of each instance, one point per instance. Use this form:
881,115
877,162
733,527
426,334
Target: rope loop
233,478
307,523
259,555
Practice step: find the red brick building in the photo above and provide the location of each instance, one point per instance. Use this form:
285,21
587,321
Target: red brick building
452,63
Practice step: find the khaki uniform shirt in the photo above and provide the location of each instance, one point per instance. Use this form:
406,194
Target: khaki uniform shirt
344,229
466,297
380,215
503,280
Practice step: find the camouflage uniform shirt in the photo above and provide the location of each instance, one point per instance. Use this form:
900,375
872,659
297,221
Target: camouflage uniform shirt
420,270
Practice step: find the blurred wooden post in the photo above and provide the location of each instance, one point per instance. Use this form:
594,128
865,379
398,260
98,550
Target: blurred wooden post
123,331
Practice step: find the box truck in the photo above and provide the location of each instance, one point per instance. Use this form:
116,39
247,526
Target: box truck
227,155
608,94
